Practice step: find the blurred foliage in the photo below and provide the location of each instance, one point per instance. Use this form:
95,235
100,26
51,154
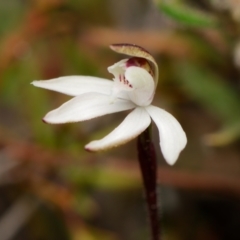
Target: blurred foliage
78,195
214,94
186,15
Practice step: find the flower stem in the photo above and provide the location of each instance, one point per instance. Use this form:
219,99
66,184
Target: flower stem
148,165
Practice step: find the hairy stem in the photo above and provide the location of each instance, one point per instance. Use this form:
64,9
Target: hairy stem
148,165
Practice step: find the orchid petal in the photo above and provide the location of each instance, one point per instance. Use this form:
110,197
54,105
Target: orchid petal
172,137
118,68
87,106
134,124
76,85
142,84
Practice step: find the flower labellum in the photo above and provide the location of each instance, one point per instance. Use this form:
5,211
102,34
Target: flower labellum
133,87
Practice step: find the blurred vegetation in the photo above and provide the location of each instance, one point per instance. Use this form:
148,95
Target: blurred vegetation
51,188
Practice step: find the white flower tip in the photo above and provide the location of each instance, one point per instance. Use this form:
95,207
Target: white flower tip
171,157
87,148
93,147
34,83
171,160
49,120
44,120
39,83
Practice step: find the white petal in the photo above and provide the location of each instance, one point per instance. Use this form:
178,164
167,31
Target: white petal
76,85
172,137
118,68
134,124
87,106
143,85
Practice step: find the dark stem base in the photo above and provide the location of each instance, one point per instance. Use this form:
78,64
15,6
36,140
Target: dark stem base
148,165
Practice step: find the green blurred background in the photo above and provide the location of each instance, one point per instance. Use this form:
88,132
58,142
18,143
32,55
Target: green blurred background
50,188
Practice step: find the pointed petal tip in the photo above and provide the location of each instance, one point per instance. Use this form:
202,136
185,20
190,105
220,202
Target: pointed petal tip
37,83
171,160
33,82
47,119
44,121
92,147
88,149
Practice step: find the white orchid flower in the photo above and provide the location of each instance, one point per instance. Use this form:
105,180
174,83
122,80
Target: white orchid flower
133,87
